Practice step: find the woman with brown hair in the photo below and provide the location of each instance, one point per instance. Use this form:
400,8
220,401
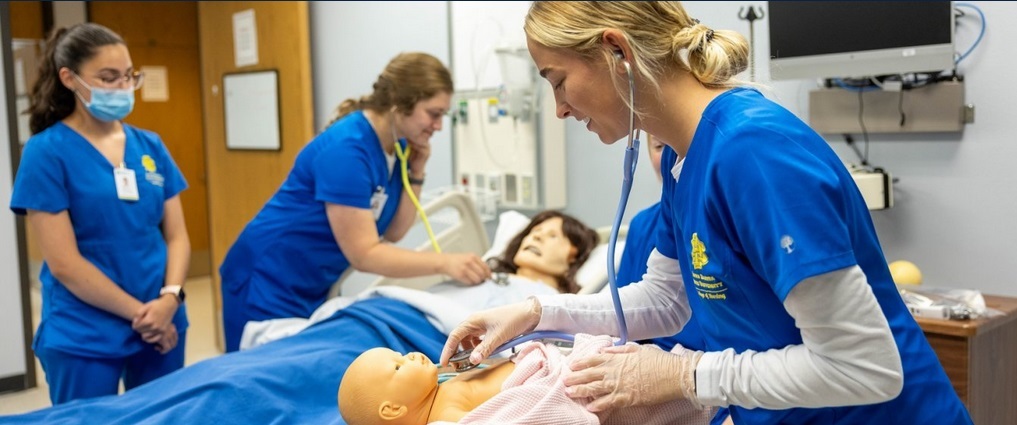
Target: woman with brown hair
342,201
102,198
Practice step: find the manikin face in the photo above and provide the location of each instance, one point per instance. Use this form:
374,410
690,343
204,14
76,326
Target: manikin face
110,68
402,384
546,249
582,90
425,120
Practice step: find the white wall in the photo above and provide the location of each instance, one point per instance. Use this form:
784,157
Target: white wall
955,202
12,350
351,42
477,29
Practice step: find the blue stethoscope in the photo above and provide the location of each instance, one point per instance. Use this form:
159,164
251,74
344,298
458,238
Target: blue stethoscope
461,360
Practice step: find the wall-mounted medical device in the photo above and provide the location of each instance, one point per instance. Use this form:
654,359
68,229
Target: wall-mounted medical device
876,186
521,160
508,145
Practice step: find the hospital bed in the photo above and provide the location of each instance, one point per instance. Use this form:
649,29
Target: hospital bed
465,232
294,380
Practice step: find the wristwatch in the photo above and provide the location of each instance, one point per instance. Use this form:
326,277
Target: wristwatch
176,290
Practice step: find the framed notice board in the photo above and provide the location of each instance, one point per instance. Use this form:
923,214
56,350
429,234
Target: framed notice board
251,102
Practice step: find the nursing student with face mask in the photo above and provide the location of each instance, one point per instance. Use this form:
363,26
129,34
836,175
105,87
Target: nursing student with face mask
102,198
344,199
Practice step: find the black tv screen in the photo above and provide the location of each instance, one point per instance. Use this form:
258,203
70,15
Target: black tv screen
817,39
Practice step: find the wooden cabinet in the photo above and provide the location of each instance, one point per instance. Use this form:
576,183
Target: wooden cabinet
980,357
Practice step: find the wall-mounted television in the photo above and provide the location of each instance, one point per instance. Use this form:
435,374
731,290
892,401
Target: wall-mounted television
842,39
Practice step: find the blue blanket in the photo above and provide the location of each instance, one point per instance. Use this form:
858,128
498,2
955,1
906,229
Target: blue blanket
290,381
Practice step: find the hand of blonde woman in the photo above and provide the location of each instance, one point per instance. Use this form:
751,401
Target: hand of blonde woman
466,268
486,330
633,375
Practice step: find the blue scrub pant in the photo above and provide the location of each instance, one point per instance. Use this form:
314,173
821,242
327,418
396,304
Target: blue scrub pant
234,316
73,377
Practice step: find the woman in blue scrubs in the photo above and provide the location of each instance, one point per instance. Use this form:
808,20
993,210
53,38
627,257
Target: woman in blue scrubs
763,234
102,198
342,201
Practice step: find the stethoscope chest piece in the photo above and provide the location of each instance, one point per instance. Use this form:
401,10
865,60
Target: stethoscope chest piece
461,361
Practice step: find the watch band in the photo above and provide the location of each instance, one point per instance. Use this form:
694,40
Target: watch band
415,181
176,290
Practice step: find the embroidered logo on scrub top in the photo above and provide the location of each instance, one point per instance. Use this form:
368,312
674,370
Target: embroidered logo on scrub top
699,258
788,243
150,174
707,287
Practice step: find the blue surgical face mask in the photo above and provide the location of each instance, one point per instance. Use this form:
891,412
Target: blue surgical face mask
108,104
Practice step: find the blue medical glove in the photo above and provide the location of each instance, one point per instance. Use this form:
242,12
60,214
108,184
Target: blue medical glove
634,375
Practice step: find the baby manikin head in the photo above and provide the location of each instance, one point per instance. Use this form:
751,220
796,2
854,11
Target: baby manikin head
384,387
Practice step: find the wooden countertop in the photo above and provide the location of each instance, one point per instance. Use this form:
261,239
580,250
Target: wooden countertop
965,328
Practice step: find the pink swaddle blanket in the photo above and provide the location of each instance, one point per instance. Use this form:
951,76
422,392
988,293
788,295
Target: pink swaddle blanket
535,394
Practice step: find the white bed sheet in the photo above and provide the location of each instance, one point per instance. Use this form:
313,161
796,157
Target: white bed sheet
445,305
467,235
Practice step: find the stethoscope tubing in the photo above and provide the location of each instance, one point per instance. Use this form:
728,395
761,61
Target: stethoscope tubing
628,174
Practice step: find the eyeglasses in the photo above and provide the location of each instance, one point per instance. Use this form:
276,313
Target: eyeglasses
132,80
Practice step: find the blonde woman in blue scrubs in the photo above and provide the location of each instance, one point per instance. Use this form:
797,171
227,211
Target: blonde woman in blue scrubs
763,237
102,198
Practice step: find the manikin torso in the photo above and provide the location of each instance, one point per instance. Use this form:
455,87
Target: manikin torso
460,395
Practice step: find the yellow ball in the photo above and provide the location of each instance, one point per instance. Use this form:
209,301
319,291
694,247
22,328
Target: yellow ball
905,273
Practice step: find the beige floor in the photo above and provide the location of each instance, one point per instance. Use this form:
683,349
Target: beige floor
200,345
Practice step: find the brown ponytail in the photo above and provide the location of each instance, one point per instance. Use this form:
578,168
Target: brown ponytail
407,79
68,48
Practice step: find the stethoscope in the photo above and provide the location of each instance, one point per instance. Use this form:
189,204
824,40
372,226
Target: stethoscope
403,159
461,360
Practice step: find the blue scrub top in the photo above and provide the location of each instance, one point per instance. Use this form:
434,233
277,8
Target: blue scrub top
287,256
639,243
762,203
59,171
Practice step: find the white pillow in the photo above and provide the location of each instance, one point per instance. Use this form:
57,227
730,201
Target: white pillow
592,275
510,223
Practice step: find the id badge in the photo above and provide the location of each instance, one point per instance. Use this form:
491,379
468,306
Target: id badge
378,201
127,184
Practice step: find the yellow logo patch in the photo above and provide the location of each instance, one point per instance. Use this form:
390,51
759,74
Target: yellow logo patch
699,258
148,163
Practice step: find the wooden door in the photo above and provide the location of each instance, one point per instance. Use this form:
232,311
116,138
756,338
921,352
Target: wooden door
241,181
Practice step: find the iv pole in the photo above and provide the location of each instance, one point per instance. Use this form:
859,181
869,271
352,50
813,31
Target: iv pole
751,15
